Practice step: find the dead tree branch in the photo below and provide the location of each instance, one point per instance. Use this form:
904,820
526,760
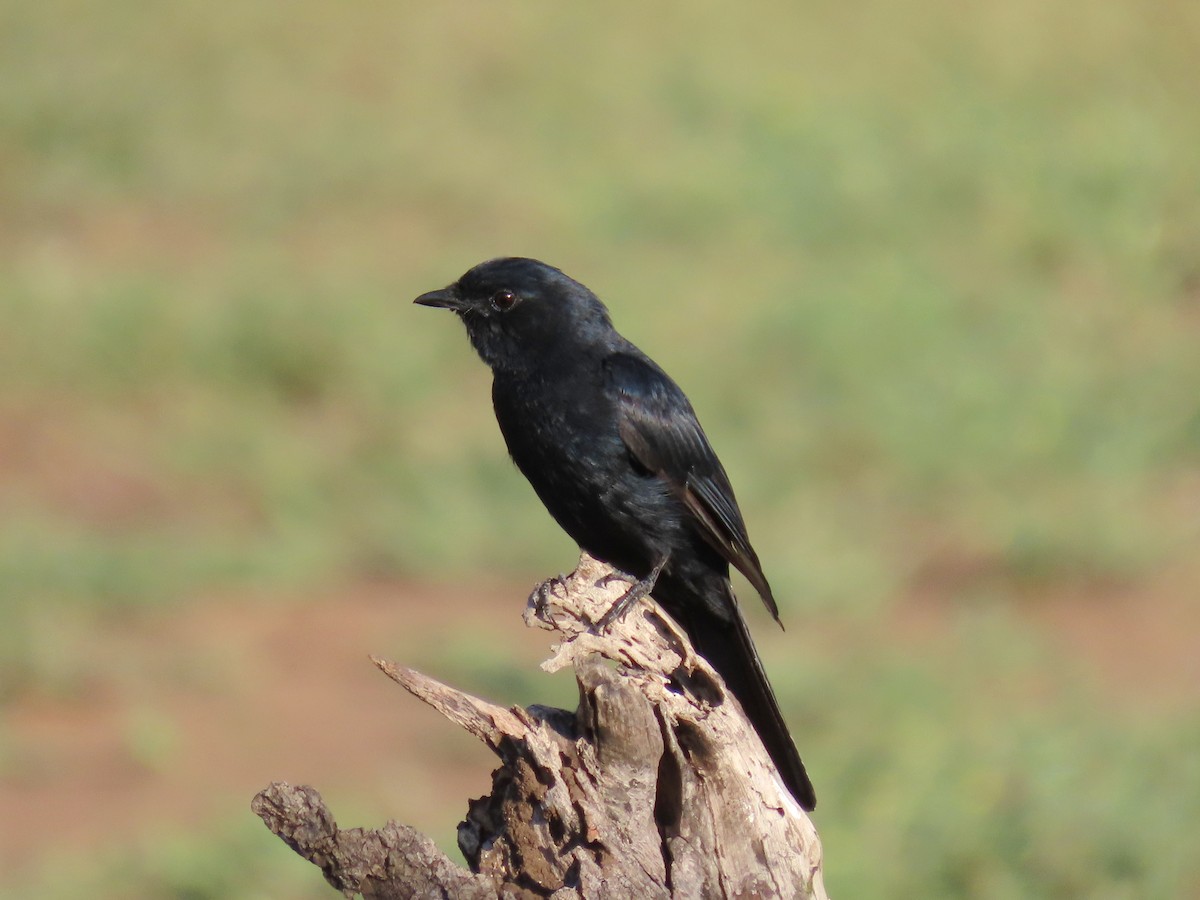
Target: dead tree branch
656,787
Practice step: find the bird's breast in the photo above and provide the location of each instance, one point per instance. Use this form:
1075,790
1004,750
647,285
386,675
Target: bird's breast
554,432
564,439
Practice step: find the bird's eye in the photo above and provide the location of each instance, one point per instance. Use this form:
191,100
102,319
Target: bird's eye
502,301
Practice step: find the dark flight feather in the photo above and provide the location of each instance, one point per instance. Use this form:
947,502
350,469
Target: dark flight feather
658,425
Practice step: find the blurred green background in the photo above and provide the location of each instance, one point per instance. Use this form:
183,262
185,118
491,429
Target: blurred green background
929,273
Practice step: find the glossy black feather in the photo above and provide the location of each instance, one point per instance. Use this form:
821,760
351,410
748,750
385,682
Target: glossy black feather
614,450
657,423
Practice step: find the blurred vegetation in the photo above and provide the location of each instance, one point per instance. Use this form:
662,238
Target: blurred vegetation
233,860
928,273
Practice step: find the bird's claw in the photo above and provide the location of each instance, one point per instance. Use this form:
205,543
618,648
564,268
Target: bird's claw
607,579
544,592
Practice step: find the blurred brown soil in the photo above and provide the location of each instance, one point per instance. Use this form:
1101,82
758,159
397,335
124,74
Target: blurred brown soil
198,710
202,707
1138,639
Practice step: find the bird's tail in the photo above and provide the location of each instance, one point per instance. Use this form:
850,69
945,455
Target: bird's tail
729,649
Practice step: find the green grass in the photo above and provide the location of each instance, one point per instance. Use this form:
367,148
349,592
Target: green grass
229,861
971,777
927,272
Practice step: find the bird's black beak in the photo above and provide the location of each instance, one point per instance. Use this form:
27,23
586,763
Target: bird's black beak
445,298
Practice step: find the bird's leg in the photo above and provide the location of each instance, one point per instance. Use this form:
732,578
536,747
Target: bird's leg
635,593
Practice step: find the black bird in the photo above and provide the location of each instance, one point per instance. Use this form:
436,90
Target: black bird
614,450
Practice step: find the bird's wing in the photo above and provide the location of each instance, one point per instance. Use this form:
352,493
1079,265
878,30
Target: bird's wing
658,425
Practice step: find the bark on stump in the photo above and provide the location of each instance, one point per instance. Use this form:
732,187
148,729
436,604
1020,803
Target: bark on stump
655,787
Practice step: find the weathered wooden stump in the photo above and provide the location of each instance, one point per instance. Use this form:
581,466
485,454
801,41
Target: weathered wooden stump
655,787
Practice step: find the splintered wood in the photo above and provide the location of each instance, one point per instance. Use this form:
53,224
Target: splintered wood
655,787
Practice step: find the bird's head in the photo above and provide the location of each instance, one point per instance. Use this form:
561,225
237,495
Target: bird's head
518,311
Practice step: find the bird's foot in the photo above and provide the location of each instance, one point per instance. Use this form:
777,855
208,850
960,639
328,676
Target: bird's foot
621,606
623,603
544,592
